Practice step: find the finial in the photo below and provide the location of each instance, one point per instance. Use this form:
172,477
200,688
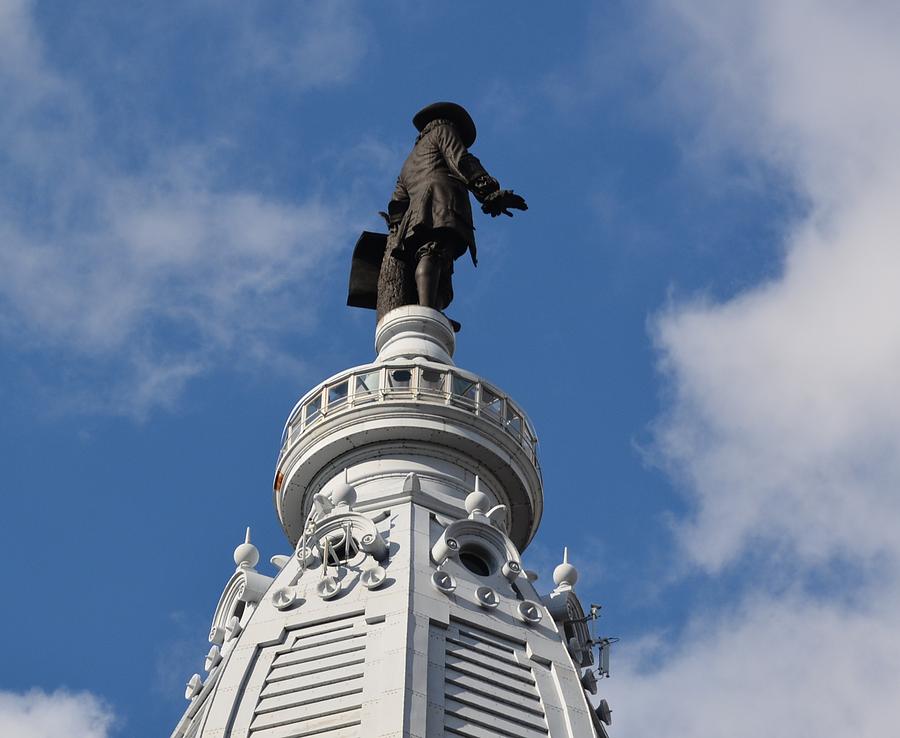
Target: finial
565,575
477,501
344,493
246,555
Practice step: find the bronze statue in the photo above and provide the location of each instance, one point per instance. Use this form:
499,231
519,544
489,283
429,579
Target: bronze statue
429,217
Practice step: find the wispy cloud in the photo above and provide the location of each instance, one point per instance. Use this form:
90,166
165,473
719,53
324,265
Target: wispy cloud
784,424
155,274
316,43
38,714
789,666
784,427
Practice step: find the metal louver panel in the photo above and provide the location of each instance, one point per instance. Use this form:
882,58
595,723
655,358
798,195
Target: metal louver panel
489,690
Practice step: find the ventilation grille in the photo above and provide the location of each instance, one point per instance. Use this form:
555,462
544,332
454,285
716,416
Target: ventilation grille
314,686
489,689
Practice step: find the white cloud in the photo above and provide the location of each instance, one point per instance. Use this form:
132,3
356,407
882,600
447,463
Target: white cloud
37,714
784,423
153,275
782,667
319,42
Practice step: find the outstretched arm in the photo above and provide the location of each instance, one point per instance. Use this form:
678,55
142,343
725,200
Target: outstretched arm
468,168
463,164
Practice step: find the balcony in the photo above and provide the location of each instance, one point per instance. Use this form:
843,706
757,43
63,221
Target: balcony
397,382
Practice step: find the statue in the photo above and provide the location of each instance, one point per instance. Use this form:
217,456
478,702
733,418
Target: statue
429,218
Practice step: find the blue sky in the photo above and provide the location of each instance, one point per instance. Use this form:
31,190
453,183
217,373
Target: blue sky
698,312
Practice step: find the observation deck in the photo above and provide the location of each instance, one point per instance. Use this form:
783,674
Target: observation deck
412,401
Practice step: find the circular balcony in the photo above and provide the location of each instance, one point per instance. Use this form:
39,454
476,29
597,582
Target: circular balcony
422,382
403,409
410,409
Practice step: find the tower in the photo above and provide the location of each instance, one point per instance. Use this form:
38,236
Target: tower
408,489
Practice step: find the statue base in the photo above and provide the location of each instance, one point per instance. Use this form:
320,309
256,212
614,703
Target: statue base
411,331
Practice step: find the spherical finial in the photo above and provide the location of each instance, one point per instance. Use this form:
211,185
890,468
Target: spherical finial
344,493
246,555
477,500
565,574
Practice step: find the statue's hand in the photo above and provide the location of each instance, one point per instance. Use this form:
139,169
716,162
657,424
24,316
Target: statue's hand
484,186
501,201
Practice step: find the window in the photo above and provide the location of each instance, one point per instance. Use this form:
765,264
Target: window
312,409
337,394
431,380
513,421
399,378
464,388
476,559
366,387
491,403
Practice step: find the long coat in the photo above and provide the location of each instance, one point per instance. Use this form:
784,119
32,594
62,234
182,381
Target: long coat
433,191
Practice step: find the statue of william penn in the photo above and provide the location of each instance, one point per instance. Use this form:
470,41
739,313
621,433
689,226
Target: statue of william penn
429,217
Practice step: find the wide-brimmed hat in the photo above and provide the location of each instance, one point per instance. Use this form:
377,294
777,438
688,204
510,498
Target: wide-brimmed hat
452,112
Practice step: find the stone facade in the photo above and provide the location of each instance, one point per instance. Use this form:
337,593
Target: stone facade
408,488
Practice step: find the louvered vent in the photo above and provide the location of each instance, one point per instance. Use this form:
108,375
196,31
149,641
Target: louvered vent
489,689
315,683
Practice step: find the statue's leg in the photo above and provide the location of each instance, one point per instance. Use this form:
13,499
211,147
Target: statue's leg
428,275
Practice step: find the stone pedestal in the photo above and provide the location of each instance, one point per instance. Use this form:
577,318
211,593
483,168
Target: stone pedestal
412,331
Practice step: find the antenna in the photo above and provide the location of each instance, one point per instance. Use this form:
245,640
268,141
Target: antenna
603,648
593,617
602,644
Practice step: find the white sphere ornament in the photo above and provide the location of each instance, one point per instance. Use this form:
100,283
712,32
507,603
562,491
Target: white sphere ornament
565,574
477,500
246,554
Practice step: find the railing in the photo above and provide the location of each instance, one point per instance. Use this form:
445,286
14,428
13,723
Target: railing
412,382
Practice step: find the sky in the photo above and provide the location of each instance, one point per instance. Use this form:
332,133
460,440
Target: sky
698,311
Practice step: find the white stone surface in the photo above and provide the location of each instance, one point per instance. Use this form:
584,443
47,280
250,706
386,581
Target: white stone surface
404,609
411,331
